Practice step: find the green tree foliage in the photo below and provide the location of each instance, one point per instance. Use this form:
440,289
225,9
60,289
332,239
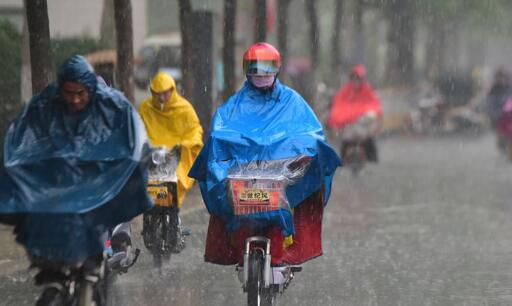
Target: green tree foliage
64,48
483,14
10,61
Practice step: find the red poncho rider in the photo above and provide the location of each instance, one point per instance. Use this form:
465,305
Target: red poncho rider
353,100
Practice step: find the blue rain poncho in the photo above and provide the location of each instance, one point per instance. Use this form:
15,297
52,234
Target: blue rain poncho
267,131
70,176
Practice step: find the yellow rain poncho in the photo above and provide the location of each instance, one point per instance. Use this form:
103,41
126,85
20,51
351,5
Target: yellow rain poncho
174,122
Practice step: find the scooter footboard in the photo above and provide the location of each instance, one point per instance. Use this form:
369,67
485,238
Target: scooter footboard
278,276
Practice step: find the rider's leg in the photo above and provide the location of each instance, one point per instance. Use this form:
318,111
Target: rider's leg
371,150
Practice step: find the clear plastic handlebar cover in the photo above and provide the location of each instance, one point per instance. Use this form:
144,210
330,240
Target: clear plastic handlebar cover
165,163
260,186
364,127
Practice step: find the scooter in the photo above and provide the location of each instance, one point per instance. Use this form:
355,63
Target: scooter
426,117
71,284
252,190
86,283
355,136
162,231
260,280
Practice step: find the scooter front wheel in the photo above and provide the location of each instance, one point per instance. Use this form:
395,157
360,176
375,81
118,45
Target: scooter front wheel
255,278
257,294
355,158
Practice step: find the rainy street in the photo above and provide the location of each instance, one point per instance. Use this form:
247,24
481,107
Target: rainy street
108,107
429,225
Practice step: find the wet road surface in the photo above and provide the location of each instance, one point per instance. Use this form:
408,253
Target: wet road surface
429,225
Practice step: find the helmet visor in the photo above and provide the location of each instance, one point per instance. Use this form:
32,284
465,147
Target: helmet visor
256,67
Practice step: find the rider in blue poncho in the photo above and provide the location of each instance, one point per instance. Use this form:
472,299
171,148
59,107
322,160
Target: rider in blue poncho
73,166
267,127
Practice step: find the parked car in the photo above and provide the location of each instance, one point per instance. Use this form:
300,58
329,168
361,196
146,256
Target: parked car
104,63
159,53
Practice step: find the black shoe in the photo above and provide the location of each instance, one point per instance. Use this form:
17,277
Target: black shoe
186,231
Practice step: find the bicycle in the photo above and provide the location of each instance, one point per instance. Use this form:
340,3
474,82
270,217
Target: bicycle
260,188
162,232
71,285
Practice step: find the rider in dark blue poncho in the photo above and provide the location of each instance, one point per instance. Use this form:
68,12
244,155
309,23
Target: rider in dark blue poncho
265,125
73,166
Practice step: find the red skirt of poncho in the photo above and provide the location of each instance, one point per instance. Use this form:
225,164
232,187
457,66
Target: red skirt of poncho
227,248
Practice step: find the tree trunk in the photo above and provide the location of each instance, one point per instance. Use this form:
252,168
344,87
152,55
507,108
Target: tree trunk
359,42
107,28
260,22
400,14
26,74
124,35
435,60
452,45
228,52
335,43
314,31
309,92
201,50
282,35
185,8
39,37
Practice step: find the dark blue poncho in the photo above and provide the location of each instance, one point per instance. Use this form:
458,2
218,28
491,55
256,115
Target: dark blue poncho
72,175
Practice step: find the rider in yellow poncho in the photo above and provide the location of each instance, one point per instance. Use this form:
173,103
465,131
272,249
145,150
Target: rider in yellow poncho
170,120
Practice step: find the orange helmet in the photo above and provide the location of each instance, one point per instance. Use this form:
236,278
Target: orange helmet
261,59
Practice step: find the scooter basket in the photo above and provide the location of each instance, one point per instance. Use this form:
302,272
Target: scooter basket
249,196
